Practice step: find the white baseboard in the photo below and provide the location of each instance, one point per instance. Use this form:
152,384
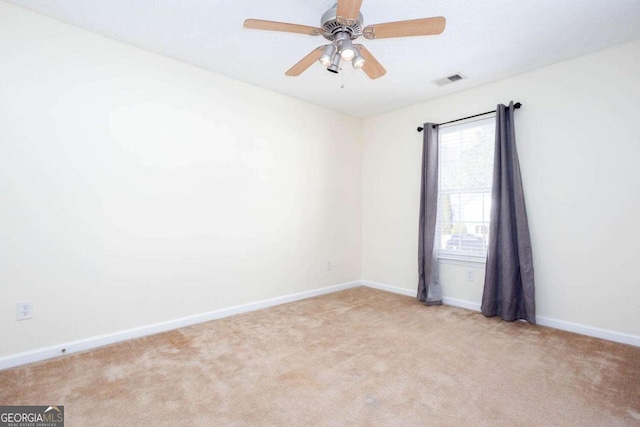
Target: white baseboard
412,293
540,320
390,288
37,355
461,303
589,330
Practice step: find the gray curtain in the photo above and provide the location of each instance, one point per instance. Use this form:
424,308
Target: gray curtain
429,290
508,285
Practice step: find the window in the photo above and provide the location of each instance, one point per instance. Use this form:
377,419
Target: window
465,174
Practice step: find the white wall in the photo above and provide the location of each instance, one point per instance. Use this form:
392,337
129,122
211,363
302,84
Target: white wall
579,148
137,189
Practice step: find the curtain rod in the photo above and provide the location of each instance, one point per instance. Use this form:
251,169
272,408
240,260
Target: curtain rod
516,105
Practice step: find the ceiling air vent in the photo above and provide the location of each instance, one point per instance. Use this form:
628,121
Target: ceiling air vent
450,79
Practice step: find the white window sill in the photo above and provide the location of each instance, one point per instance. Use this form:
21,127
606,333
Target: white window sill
462,259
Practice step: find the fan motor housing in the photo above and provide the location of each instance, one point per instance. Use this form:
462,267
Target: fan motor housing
331,23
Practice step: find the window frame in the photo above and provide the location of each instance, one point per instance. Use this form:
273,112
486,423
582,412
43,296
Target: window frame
450,256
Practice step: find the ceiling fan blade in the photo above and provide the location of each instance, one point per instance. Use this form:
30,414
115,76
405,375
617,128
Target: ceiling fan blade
305,62
413,27
259,24
371,65
349,9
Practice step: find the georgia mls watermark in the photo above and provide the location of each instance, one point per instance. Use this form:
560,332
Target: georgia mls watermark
31,416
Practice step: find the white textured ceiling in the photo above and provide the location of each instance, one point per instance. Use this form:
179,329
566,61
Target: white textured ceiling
485,40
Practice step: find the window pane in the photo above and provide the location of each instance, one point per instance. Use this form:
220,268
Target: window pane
466,157
487,206
463,224
470,207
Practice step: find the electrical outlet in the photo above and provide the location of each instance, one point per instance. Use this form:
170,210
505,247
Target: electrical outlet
25,310
328,265
470,275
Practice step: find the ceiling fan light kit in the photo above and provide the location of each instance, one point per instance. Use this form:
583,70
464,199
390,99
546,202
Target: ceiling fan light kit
327,55
346,47
342,24
358,60
335,64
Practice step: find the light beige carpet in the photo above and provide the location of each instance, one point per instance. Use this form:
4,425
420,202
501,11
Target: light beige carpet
357,357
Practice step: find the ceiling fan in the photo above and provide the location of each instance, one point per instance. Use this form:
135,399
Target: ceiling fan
341,25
